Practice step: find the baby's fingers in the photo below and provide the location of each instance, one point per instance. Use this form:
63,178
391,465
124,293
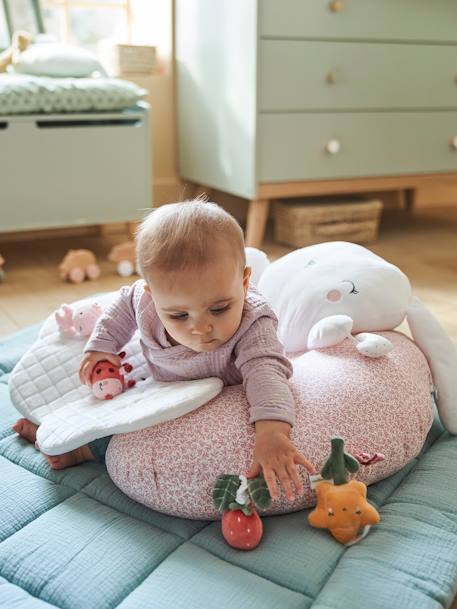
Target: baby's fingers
85,372
114,359
270,479
81,371
285,483
292,470
301,460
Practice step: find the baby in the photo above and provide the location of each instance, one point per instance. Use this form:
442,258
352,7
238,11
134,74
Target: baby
198,317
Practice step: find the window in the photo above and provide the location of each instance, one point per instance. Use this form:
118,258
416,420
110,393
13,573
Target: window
86,22
19,15
4,33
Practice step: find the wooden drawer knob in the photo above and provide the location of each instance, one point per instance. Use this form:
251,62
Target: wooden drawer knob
336,6
453,142
333,146
335,76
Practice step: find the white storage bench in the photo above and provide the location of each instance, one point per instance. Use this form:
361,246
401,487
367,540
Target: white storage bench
60,170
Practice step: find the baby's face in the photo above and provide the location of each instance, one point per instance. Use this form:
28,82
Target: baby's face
201,309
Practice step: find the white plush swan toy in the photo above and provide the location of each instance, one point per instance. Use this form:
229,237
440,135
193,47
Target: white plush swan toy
326,293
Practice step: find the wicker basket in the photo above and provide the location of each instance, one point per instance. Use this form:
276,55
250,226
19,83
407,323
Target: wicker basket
128,58
300,223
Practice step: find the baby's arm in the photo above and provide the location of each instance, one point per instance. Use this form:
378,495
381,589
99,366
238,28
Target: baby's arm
265,369
113,330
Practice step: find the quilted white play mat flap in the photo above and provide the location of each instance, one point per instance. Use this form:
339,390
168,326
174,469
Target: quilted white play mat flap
46,389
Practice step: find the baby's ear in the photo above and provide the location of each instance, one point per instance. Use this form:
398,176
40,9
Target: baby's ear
246,276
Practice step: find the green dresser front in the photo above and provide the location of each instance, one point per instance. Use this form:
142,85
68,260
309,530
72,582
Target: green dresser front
275,91
297,75
402,20
356,88
307,146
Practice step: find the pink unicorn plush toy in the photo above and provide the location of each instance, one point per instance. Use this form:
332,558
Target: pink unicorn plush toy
78,322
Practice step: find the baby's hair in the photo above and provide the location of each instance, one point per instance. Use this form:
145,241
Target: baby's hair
185,236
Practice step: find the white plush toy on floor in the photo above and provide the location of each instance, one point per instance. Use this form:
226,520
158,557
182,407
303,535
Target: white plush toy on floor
326,293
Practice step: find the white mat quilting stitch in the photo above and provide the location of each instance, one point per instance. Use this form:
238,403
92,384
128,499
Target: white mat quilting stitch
45,388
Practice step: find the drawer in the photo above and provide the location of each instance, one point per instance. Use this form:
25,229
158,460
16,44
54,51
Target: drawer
293,147
301,75
420,20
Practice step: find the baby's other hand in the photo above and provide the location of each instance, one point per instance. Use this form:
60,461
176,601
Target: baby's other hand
89,361
278,458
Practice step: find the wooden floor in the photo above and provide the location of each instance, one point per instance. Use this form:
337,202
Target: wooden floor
423,244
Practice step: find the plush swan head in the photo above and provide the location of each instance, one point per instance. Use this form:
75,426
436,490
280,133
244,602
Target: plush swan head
335,278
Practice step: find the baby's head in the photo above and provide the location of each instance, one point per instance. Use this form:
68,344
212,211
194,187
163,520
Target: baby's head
192,258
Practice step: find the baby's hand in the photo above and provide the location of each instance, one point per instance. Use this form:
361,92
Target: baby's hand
276,455
89,361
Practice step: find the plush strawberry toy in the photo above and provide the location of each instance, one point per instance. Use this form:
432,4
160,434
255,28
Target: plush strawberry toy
238,499
108,381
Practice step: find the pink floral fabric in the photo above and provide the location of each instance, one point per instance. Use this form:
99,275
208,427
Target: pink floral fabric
377,405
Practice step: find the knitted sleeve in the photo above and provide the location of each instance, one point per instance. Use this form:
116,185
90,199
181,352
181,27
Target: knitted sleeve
116,325
265,369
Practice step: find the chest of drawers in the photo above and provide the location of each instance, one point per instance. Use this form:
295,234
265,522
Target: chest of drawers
299,97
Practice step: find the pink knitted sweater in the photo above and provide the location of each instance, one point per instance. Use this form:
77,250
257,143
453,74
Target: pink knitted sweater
253,356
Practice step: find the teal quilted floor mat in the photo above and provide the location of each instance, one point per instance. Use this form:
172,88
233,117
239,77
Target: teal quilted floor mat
72,540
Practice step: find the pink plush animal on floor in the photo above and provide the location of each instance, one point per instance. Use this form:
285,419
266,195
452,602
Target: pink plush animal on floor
108,381
124,255
78,321
79,265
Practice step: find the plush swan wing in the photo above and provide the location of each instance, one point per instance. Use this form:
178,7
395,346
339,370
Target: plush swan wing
373,345
441,355
329,331
332,330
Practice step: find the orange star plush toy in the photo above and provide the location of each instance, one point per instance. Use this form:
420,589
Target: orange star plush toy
342,506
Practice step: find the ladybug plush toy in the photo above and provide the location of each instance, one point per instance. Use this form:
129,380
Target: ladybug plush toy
108,381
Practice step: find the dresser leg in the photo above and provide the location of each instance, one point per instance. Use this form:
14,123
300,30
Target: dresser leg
410,198
104,230
256,221
203,192
194,191
131,229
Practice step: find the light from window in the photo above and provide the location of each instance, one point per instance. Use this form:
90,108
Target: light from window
86,22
